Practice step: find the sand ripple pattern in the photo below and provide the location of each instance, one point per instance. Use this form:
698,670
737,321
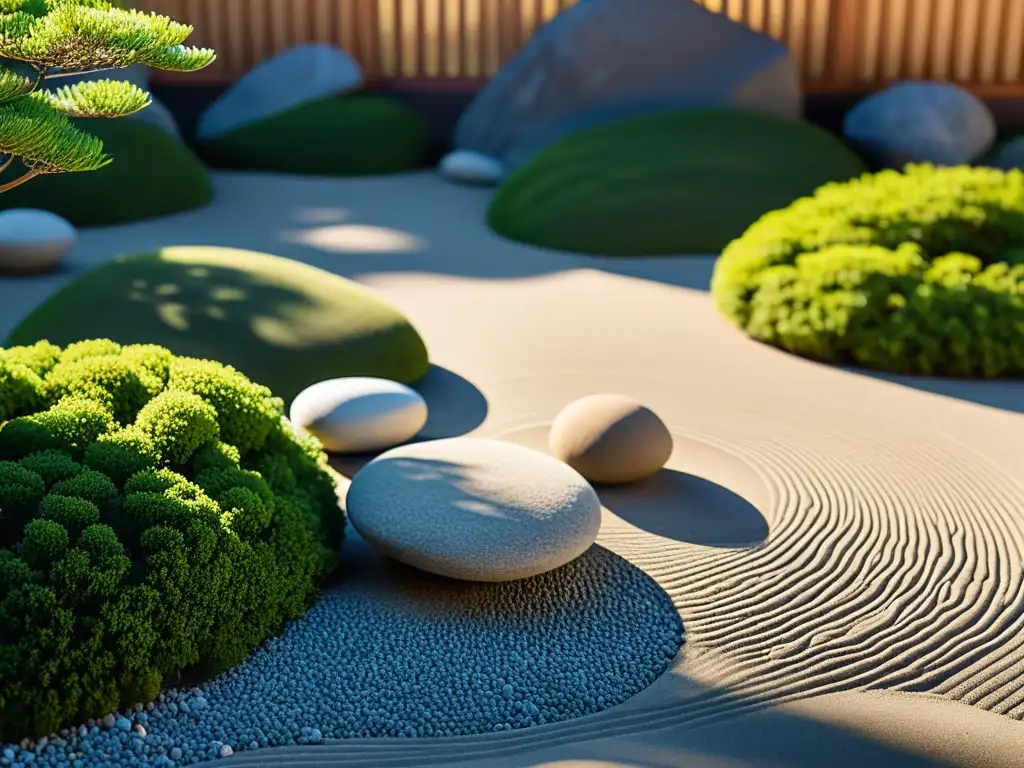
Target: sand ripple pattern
922,541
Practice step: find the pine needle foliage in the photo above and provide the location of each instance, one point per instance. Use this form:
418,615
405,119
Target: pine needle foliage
45,39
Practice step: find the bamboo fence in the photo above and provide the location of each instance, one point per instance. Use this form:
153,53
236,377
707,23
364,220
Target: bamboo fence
841,46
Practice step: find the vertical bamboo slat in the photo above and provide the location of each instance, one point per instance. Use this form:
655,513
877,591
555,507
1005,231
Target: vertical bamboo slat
840,45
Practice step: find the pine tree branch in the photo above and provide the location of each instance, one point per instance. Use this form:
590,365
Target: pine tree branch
20,180
74,72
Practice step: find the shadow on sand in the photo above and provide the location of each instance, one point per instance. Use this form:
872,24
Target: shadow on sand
455,407
687,508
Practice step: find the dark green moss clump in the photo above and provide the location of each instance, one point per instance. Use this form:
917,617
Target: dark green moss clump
673,183
157,517
920,272
152,174
358,135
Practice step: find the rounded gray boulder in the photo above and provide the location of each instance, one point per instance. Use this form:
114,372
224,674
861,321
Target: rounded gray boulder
920,122
474,509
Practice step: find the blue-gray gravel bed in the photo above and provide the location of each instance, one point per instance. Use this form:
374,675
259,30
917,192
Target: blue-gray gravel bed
434,658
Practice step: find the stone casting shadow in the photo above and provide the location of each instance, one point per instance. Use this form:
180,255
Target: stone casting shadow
687,508
455,407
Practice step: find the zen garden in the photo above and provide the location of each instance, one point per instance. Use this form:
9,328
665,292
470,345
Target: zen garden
641,421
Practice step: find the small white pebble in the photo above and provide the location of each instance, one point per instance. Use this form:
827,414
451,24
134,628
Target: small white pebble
226,751
139,729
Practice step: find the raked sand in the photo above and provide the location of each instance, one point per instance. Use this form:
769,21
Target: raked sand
846,552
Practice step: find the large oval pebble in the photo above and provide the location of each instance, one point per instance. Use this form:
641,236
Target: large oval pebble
475,509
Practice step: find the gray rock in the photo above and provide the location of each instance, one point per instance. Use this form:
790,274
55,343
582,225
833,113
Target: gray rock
1006,155
159,116
537,137
920,122
601,53
468,167
298,76
33,241
475,509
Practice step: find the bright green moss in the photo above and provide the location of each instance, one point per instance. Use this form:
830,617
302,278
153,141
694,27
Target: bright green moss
920,272
139,542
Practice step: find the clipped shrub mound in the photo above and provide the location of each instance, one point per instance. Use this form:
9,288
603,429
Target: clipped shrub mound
158,517
152,174
284,324
359,135
673,183
919,272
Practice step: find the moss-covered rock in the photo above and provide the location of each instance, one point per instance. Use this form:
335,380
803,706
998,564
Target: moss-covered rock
284,324
357,135
920,272
152,174
673,183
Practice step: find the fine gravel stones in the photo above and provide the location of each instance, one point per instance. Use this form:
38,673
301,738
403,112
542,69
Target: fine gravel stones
359,414
33,241
474,509
419,657
610,439
920,122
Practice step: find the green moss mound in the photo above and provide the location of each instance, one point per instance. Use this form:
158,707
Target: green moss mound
920,272
673,183
359,135
152,175
282,323
160,517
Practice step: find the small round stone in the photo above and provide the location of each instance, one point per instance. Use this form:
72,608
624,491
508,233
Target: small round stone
33,241
468,508
359,414
610,439
468,166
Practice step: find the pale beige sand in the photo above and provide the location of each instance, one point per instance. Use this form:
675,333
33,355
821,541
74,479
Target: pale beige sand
823,533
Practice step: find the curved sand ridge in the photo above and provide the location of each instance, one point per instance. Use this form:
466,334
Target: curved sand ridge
821,533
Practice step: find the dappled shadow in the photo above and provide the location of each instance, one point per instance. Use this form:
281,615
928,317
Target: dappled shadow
275,328
410,223
687,508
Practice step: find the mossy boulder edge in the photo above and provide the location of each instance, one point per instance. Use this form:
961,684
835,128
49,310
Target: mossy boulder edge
361,134
284,324
152,174
686,181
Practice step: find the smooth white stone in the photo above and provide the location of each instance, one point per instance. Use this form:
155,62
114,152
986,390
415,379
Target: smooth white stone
359,414
33,240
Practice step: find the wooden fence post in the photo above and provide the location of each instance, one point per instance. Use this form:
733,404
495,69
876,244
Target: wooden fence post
845,43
